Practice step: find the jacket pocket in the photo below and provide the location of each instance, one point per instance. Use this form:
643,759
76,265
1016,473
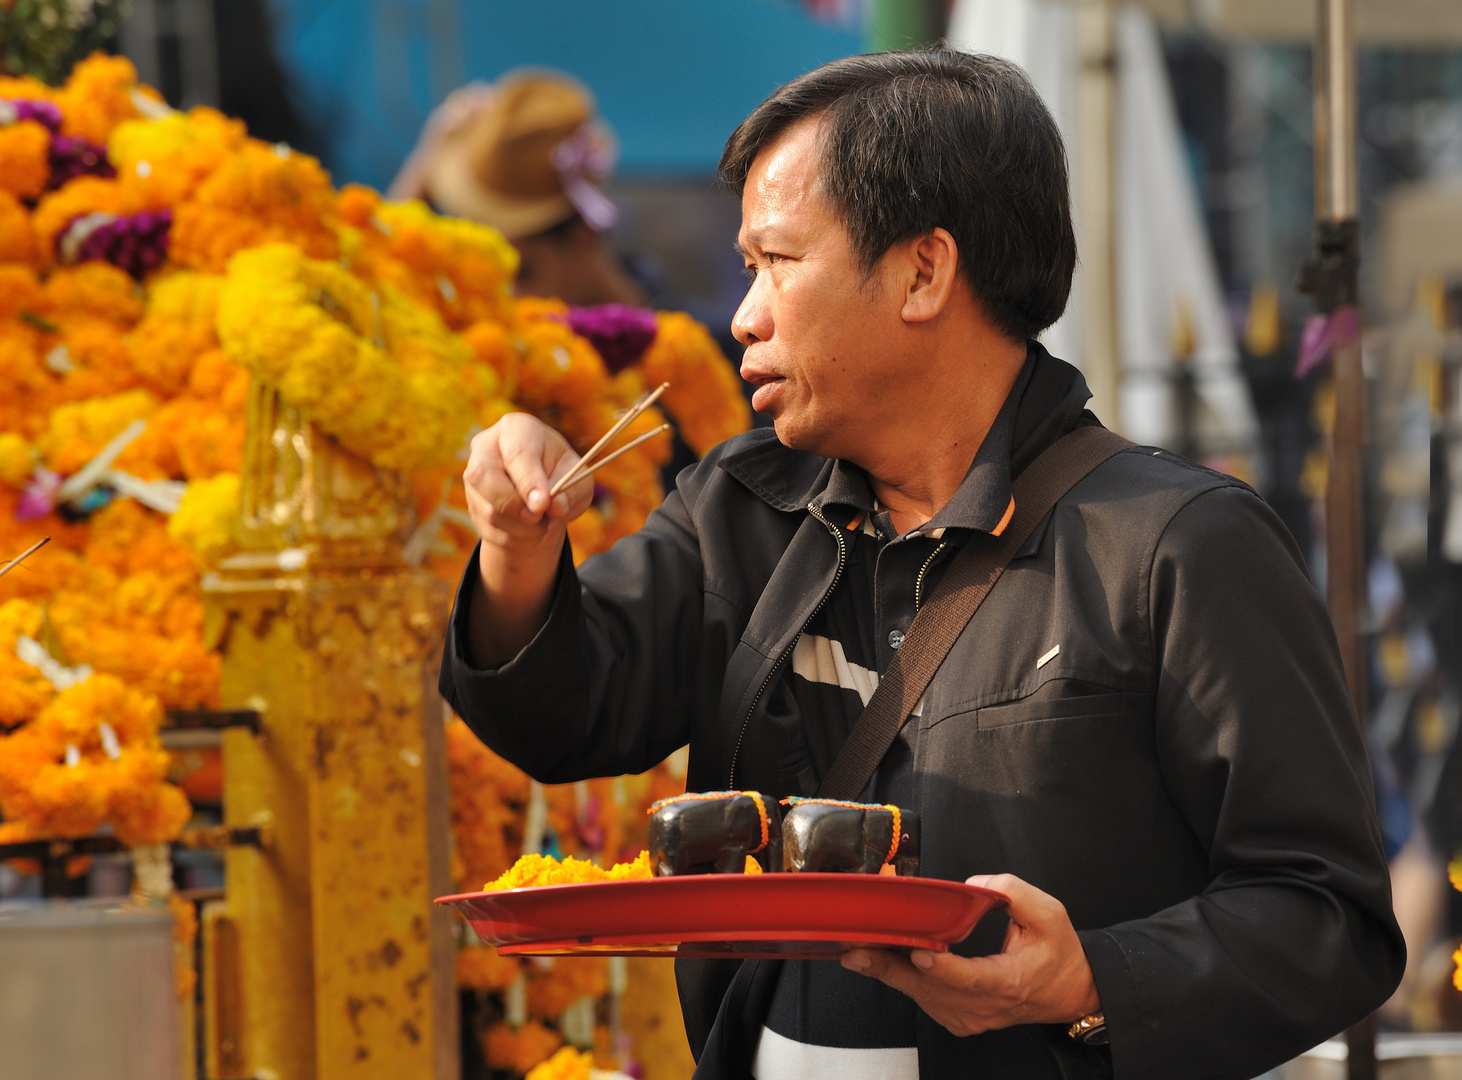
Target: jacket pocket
1052,708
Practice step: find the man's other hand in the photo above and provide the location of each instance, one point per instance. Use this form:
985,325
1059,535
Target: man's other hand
512,466
1040,976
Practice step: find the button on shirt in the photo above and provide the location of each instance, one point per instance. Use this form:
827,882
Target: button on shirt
824,1021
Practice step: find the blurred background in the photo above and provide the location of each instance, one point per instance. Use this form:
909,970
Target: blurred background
1190,131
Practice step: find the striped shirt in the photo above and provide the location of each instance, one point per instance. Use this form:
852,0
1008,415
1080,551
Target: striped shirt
827,1023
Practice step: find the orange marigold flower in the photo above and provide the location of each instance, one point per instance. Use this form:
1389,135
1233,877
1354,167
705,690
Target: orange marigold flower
84,195
571,978
17,241
259,194
163,351
24,159
98,96
519,1050
20,291
705,391
480,967
94,290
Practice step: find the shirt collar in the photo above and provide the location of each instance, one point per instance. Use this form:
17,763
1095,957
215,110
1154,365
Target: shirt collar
983,499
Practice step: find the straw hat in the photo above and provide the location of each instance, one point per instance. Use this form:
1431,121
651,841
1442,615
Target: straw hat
529,157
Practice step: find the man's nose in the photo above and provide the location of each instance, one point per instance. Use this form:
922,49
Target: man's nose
753,319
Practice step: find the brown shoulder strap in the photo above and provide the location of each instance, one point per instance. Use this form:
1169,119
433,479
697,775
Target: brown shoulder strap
953,602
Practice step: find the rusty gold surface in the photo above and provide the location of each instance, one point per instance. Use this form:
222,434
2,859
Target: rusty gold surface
223,1057
343,964
299,489
650,1014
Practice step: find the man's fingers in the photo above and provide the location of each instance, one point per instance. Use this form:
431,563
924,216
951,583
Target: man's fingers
1029,906
524,464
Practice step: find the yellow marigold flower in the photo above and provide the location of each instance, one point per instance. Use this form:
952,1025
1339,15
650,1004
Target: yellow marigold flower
381,374
165,160
24,159
185,296
17,459
534,870
205,520
17,241
567,1064
77,432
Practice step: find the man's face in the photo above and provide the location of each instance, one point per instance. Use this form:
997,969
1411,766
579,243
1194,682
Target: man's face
819,338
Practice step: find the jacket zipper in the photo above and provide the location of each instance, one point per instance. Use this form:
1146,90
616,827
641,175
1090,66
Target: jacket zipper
919,581
837,576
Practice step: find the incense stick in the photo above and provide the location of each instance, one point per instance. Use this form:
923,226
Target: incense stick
583,466
13,563
625,449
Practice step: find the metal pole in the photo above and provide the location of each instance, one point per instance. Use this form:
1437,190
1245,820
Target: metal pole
1095,175
1331,277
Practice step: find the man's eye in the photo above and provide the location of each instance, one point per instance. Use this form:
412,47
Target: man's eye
749,273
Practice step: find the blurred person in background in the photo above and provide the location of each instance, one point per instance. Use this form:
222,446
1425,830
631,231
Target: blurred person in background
526,155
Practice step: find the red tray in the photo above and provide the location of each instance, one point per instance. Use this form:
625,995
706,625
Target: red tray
742,915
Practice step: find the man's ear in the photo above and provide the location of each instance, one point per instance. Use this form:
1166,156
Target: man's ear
933,268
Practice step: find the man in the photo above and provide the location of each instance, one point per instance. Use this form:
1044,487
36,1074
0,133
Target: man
1143,736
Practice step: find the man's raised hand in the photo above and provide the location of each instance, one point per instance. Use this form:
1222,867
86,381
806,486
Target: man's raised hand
1040,976
509,472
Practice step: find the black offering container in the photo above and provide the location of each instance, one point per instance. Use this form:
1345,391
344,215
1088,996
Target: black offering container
713,833
824,836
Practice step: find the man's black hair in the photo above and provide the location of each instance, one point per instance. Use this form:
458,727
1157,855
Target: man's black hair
916,140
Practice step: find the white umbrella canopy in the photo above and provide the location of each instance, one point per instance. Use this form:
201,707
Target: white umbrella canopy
1435,24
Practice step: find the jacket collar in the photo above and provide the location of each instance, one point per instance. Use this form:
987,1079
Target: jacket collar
1047,402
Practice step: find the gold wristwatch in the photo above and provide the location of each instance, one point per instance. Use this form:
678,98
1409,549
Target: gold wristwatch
1091,1030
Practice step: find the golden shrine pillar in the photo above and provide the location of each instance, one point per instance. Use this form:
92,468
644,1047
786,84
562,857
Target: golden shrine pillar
327,959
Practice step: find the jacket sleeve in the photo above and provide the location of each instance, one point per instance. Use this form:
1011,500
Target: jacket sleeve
605,687
1294,938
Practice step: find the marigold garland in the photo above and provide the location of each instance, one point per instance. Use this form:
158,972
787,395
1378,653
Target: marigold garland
312,329
25,167
17,242
92,755
84,349
204,522
258,195
567,1064
518,1050
165,160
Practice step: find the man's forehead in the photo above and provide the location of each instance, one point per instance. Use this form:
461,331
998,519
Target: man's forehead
780,186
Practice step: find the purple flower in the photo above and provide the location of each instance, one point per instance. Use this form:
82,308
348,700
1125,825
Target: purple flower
619,332
39,497
45,113
136,243
72,157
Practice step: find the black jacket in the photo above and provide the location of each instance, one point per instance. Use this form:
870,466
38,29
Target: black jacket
1186,775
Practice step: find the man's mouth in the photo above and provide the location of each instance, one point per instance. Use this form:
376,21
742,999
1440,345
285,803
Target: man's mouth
768,386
